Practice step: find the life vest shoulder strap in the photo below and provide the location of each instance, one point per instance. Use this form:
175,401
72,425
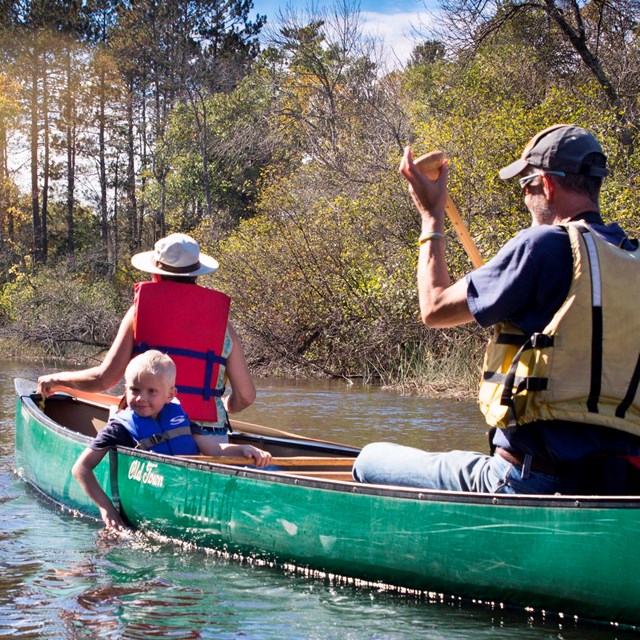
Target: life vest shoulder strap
158,438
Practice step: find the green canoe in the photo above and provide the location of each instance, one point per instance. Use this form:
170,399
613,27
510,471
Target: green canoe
566,554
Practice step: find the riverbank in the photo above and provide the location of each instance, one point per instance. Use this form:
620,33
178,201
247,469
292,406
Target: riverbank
61,317
11,349
446,381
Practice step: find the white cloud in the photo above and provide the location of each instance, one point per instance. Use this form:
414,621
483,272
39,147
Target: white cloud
396,30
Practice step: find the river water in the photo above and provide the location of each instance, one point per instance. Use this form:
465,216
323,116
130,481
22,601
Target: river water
61,579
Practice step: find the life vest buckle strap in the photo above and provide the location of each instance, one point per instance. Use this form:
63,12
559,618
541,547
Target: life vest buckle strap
200,391
533,383
515,339
541,341
157,438
208,375
632,390
208,356
535,341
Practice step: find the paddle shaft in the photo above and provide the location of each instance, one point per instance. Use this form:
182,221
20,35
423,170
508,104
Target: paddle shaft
89,396
108,400
261,430
429,164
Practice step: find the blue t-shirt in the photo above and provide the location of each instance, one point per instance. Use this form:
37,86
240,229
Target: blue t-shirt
525,284
114,435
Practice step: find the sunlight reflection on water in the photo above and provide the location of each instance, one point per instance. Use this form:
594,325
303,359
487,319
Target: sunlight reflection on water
357,414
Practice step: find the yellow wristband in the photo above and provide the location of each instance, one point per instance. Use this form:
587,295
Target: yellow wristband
429,235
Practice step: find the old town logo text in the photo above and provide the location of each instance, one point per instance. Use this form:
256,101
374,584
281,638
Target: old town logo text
145,472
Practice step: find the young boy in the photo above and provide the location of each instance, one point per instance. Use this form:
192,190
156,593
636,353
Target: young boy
152,420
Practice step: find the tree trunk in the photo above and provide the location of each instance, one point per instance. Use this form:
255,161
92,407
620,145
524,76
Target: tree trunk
102,169
35,207
130,183
116,211
576,37
143,160
71,158
46,162
159,163
200,118
4,185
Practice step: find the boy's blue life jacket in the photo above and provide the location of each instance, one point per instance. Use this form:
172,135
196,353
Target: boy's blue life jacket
169,434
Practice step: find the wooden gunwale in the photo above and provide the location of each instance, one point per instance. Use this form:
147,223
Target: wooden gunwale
292,461
405,493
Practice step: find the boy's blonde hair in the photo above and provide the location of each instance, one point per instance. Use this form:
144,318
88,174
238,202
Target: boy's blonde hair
154,362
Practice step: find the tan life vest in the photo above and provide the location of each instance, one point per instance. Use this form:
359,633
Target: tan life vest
585,365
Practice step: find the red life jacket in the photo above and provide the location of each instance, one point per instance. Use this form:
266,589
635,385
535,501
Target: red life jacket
188,323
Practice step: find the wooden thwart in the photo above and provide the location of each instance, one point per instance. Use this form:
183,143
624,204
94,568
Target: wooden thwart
342,476
293,461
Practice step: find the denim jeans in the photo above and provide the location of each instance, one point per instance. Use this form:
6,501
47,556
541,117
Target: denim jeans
387,463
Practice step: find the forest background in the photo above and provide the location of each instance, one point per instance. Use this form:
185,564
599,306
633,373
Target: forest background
277,147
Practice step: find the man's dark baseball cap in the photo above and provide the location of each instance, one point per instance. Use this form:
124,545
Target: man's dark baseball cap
562,147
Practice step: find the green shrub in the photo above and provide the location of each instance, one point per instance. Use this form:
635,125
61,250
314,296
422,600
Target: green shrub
60,314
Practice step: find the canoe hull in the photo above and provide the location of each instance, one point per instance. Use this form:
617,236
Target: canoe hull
561,554
45,453
534,555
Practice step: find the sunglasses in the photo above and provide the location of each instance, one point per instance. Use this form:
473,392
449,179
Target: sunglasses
523,182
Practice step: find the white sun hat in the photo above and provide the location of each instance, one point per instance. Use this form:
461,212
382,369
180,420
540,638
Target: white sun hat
176,255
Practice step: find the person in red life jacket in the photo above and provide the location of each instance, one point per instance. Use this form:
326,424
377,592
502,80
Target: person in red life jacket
152,420
190,323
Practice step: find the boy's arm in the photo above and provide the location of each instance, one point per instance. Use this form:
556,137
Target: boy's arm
83,472
261,458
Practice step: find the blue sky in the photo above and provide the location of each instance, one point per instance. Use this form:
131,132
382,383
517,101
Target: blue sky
389,20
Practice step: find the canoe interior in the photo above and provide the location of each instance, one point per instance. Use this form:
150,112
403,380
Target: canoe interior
305,458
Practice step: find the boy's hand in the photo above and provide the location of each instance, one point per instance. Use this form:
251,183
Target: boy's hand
261,458
112,520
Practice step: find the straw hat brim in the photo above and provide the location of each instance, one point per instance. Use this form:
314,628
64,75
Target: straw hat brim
146,261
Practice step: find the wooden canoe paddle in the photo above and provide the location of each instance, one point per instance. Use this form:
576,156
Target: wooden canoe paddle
429,164
104,399
89,396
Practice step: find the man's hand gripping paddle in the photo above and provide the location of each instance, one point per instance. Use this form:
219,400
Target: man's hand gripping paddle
429,164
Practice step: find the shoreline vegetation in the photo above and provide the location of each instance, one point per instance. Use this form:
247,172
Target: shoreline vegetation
276,145
456,380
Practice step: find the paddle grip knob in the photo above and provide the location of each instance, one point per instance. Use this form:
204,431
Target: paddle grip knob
430,163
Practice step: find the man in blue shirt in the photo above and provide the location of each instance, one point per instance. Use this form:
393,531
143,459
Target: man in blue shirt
524,286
